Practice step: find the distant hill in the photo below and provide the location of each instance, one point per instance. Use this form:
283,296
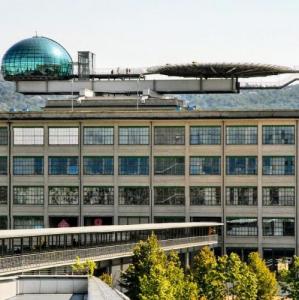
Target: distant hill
287,98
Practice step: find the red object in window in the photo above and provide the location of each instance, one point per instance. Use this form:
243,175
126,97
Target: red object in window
98,221
63,223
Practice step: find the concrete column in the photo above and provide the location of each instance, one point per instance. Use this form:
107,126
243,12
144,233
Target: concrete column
115,177
259,189
187,176
46,179
297,189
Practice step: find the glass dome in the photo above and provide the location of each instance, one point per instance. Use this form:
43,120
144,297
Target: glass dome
36,57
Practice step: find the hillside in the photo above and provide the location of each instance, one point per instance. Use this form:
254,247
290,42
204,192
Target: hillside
287,98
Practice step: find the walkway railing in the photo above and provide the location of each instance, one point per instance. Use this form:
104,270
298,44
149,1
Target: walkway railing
21,263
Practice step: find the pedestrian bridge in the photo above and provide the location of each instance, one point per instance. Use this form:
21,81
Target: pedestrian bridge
36,249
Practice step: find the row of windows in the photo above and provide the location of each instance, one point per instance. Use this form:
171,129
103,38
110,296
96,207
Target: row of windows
271,226
235,226
166,165
140,135
102,195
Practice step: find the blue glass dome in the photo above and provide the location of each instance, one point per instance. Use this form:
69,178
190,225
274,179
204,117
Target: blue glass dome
35,58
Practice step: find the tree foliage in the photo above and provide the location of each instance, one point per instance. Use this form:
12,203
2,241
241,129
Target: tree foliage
290,279
107,278
86,267
266,280
155,276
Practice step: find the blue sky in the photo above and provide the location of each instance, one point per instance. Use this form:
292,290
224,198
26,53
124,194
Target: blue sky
150,32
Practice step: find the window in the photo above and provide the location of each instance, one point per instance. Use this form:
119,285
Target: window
133,135
241,135
28,222
28,135
241,226
3,195
28,165
98,195
98,165
203,195
98,135
169,165
170,135
278,196
205,165
3,136
170,195
169,219
63,136
130,165
3,165
241,195
3,222
209,219
61,165
63,195
132,220
278,226
241,165
284,134
28,195
129,195
278,165
205,135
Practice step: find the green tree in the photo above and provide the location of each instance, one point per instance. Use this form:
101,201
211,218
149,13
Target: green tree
290,279
239,281
207,276
266,281
107,278
86,267
154,276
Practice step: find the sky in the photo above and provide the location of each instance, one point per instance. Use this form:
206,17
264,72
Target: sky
142,33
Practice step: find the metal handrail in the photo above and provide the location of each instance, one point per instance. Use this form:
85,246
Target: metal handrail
66,257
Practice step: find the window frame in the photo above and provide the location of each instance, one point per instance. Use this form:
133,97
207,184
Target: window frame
57,156
174,157
204,157
147,188
63,187
28,145
275,142
254,201
28,204
264,157
120,165
63,127
99,157
110,203
211,203
241,156
183,188
267,202
135,144
227,127
104,127
28,157
169,144
205,127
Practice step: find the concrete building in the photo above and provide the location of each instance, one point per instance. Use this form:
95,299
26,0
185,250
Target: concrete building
97,165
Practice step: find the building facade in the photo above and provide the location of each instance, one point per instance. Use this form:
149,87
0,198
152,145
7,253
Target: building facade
61,168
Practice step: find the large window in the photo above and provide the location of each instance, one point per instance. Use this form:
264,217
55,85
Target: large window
205,165
241,135
131,195
3,136
241,165
132,220
98,135
28,195
170,135
28,135
28,222
3,222
98,195
240,226
205,195
205,135
98,165
241,195
169,219
3,165
133,165
169,165
279,134
28,165
63,136
170,195
133,136
63,195
62,165
278,226
278,165
278,196
3,195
